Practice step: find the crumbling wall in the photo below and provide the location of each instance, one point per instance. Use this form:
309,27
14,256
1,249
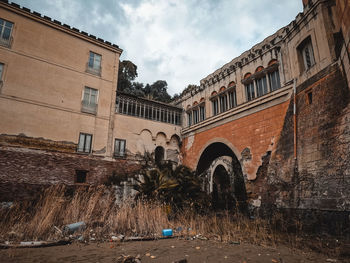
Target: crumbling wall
24,171
319,178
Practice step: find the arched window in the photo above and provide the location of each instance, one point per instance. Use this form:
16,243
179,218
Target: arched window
260,82
249,88
273,75
215,103
232,97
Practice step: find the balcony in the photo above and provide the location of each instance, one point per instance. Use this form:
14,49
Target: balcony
96,70
6,42
89,107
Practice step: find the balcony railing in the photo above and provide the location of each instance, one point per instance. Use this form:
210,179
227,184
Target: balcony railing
95,71
6,42
88,107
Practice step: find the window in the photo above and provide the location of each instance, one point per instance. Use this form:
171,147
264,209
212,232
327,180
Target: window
94,64
189,118
250,93
195,116
80,176
309,97
232,98
215,104
223,103
201,113
89,103
119,148
306,55
84,144
5,32
274,79
261,86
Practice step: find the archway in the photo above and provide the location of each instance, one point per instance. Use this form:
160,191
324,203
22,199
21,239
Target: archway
159,155
221,194
223,176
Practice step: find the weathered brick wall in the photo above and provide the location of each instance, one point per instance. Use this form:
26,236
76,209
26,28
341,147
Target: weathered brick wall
23,171
255,134
320,177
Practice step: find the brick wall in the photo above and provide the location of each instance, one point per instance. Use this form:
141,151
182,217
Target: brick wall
320,177
255,133
24,171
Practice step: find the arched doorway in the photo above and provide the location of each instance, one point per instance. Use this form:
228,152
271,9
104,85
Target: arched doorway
222,198
159,155
223,176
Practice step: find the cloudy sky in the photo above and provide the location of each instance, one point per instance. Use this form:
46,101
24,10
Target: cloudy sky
180,41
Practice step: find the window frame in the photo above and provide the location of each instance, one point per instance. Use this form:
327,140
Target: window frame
306,57
119,154
84,149
261,86
274,80
6,42
86,105
91,66
215,106
250,91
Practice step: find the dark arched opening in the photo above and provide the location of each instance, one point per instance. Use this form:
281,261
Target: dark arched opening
159,155
237,187
222,197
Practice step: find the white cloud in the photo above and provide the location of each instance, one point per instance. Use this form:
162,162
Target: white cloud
180,41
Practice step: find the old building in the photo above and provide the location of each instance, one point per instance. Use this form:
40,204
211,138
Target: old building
58,120
272,125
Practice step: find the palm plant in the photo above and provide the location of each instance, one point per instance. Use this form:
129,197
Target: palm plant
180,187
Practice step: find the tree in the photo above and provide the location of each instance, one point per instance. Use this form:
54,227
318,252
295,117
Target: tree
158,91
127,73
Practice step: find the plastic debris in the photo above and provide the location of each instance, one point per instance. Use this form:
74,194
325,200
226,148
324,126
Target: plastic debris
167,232
71,228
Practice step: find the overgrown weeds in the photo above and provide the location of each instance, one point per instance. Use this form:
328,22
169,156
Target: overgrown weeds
95,205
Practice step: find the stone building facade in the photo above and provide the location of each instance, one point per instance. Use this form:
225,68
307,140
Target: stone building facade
270,127
274,121
59,122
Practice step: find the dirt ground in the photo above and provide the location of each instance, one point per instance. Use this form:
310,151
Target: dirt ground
168,250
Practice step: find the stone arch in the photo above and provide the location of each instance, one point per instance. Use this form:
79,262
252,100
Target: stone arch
222,89
247,75
272,61
174,141
161,139
260,68
219,154
232,84
218,140
145,143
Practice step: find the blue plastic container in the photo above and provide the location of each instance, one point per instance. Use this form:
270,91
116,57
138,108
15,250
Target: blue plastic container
167,232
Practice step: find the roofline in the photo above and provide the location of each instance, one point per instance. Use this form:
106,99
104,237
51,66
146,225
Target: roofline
59,26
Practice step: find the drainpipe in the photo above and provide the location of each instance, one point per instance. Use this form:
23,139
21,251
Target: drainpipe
295,117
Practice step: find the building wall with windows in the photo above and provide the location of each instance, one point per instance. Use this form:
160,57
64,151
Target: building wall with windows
272,142
144,125
56,80
57,94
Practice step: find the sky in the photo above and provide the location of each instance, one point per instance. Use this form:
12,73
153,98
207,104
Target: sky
180,41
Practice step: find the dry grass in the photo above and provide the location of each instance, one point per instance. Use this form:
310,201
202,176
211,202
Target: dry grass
60,205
